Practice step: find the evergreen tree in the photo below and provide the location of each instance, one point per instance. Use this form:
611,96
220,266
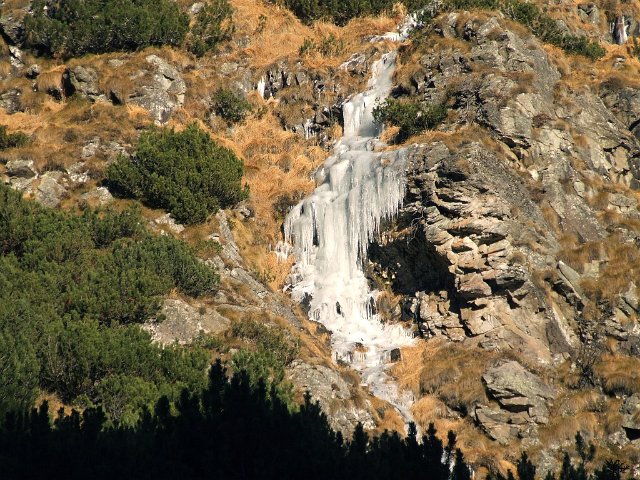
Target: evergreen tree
526,469
460,469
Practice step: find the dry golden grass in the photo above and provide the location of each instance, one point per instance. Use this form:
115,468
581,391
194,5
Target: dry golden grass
50,80
619,374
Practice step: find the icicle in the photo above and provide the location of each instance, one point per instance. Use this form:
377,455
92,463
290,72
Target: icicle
330,231
262,84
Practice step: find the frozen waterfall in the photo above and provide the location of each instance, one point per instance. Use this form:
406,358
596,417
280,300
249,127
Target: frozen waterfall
357,188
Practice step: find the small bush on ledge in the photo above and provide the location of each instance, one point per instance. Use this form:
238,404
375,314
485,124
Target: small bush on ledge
186,173
411,117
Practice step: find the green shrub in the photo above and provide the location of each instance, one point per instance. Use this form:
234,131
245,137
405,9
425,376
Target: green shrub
185,172
229,106
212,26
71,287
411,117
329,46
11,140
75,27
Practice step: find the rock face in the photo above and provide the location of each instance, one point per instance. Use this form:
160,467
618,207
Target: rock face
522,399
49,192
334,394
84,81
162,91
21,168
183,322
475,248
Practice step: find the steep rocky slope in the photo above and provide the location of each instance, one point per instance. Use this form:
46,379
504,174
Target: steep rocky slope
518,235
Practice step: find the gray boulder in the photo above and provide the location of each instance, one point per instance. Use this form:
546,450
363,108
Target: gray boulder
22,168
12,27
182,322
84,81
518,390
162,92
49,192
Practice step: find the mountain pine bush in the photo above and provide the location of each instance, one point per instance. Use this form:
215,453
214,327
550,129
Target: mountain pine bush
186,173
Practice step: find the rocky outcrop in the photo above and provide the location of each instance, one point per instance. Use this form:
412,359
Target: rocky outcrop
161,91
22,168
311,100
49,192
475,247
335,395
522,403
83,81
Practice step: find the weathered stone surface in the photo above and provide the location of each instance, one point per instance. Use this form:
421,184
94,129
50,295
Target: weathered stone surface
12,26
161,92
49,192
10,101
182,322
334,394
515,387
522,399
84,82
21,168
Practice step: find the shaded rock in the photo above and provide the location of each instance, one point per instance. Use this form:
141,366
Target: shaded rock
21,168
12,27
589,12
84,81
182,322
10,101
516,389
33,71
395,355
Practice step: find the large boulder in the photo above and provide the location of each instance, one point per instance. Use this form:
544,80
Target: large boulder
518,390
22,168
161,92
84,82
12,26
522,399
49,192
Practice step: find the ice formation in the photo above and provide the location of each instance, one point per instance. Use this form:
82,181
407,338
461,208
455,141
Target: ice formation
358,187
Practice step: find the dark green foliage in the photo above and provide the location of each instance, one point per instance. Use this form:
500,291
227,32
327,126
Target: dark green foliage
267,361
526,469
411,117
611,470
75,27
336,11
11,140
229,106
70,287
233,429
186,173
460,469
212,26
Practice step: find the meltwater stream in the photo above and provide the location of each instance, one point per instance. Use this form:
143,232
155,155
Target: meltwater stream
330,231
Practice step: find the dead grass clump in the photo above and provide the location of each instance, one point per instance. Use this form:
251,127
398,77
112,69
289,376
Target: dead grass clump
451,373
51,81
620,375
577,255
